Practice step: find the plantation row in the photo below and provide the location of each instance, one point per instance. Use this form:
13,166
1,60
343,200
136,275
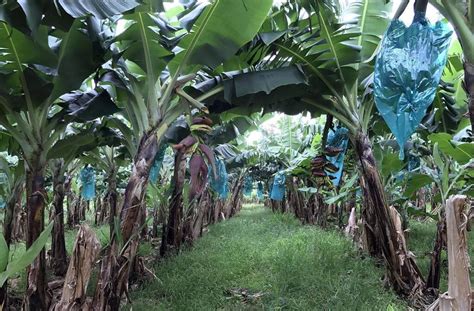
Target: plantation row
150,120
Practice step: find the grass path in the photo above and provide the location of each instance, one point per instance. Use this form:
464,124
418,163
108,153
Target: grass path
295,267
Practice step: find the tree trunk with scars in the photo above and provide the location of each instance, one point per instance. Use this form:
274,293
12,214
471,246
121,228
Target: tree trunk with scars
434,275
69,199
85,252
420,202
11,206
459,285
35,297
172,238
77,205
203,207
111,197
469,86
58,245
19,220
143,222
296,199
217,210
320,212
382,235
115,268
158,218
235,197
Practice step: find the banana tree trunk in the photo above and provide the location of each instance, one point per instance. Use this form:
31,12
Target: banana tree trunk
383,237
35,296
83,207
216,211
233,205
111,197
76,210
115,268
158,218
58,246
143,222
203,206
295,199
321,211
103,208
172,238
421,199
97,209
19,220
11,206
469,85
434,274
69,199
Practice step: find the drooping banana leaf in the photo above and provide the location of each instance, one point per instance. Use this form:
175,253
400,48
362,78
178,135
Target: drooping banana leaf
99,8
209,43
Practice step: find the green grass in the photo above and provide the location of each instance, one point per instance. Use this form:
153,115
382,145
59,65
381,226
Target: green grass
296,267
421,241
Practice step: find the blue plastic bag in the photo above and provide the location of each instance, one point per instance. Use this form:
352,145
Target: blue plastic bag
279,186
225,192
219,184
407,73
260,191
413,162
248,186
155,169
87,176
337,139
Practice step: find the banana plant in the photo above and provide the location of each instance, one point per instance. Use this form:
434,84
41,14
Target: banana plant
78,140
156,69
46,54
460,14
109,160
12,184
200,157
9,267
335,46
449,166
447,112
339,57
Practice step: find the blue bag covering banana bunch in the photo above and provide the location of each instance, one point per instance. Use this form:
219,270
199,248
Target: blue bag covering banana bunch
407,73
260,191
337,139
248,186
155,169
331,163
279,186
87,177
219,184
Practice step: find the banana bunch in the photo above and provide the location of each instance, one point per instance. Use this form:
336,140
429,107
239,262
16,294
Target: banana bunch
321,165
